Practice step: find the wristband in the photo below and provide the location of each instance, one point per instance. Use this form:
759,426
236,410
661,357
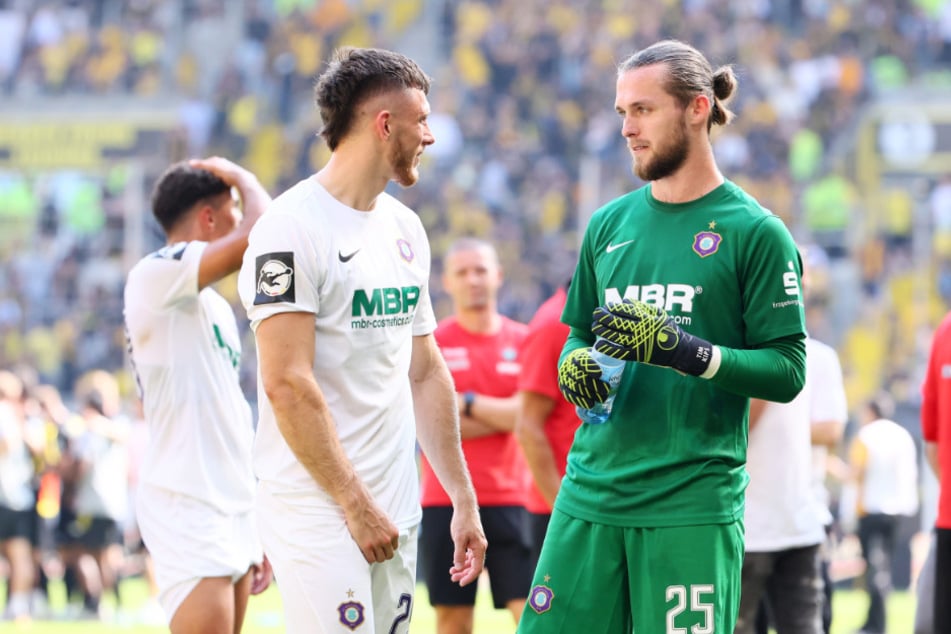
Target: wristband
468,398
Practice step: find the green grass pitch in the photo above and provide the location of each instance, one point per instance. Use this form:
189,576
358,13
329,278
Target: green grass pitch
265,617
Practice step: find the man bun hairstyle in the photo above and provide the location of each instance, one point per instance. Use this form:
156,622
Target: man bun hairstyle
724,85
354,75
689,74
179,189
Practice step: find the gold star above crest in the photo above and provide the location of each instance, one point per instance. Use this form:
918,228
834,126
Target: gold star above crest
350,593
547,578
713,224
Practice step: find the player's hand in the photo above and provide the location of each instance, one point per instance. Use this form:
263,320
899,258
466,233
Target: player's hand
261,576
468,557
375,535
579,379
228,171
254,198
636,331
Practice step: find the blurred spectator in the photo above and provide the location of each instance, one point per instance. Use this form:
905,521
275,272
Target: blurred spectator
16,498
546,422
884,462
101,504
525,142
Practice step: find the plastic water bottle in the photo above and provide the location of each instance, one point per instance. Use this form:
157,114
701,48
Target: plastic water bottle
611,371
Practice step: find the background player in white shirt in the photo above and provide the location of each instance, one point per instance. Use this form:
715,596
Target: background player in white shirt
16,498
196,491
828,415
884,462
336,283
784,520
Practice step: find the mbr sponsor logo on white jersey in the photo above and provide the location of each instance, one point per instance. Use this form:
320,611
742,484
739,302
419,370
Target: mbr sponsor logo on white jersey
666,296
384,307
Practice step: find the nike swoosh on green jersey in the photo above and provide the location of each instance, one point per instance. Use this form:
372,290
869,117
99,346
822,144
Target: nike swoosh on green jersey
614,247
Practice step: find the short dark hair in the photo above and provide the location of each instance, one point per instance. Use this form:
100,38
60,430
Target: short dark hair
881,405
688,74
179,189
353,76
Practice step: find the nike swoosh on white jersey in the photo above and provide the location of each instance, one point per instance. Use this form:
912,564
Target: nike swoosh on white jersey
613,247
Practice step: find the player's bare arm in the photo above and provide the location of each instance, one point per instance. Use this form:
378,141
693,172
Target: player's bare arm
858,459
223,256
757,407
827,433
471,427
499,413
931,455
286,356
534,410
437,429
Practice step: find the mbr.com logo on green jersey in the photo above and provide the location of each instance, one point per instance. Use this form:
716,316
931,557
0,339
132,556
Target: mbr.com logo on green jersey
384,307
666,296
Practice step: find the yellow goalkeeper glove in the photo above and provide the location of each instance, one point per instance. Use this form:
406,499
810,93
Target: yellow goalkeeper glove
636,331
579,379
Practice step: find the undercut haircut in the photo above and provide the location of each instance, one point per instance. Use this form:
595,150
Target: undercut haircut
355,75
689,74
179,189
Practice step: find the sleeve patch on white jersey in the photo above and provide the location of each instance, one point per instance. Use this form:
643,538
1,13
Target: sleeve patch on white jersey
172,252
274,273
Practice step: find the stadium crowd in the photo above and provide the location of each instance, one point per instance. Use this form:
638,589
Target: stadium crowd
520,112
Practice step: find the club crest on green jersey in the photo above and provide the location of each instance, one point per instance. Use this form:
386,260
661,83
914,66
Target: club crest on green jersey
706,243
540,598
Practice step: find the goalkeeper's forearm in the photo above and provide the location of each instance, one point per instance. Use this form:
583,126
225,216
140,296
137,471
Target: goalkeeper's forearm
577,338
775,371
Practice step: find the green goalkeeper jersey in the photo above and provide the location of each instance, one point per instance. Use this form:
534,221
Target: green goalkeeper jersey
674,449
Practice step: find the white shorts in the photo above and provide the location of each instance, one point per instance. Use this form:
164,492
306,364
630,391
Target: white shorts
190,540
325,583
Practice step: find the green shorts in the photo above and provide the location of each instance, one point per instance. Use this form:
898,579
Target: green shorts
601,579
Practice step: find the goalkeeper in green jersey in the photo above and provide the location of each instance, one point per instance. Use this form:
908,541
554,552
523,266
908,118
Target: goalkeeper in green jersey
697,287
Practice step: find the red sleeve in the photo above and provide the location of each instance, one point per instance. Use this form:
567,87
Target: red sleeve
929,396
539,357
931,390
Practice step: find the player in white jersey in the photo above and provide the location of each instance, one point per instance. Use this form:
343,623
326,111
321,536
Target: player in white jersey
829,413
884,462
335,281
16,498
785,522
196,492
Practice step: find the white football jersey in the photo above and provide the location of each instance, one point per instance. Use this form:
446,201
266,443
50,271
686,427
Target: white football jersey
781,508
824,372
890,484
185,348
365,278
103,489
16,466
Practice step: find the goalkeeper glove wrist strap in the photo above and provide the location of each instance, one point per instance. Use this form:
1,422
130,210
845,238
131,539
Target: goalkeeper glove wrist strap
693,355
715,358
